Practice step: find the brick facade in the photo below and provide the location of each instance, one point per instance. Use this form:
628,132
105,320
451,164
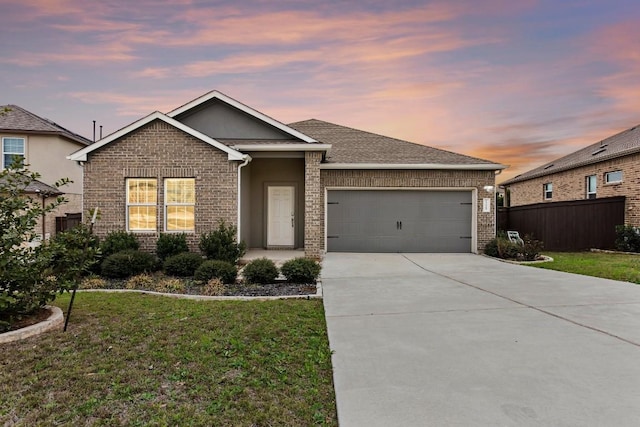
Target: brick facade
313,206
571,185
160,151
432,179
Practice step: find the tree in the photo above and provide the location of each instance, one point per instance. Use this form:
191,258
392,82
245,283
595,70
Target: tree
30,277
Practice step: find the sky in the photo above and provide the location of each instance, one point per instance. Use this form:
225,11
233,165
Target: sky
515,82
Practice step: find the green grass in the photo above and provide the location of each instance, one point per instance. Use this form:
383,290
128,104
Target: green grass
132,359
598,264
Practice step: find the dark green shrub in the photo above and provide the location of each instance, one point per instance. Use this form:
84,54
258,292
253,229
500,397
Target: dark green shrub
215,269
627,238
118,241
301,270
261,271
530,250
221,244
170,244
75,252
182,265
128,263
501,247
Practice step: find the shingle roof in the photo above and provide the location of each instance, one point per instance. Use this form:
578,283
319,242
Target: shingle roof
352,146
622,144
38,187
21,120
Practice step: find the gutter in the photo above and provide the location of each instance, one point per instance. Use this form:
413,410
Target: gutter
434,166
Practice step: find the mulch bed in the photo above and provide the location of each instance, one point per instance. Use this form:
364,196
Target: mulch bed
40,315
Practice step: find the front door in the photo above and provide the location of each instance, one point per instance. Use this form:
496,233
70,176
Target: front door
280,216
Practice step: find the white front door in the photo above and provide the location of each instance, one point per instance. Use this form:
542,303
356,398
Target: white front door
280,218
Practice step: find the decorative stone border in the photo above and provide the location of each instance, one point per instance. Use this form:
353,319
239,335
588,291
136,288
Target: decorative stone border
317,295
511,261
54,321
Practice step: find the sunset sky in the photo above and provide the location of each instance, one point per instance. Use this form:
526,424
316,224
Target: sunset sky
516,82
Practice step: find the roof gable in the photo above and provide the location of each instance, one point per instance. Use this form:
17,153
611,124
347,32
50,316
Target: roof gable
621,144
219,116
81,155
353,148
17,119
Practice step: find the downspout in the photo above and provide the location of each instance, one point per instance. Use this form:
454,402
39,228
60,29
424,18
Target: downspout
247,159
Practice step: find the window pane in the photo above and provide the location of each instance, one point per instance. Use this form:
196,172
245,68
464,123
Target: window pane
10,158
613,176
142,218
180,218
13,145
180,191
142,191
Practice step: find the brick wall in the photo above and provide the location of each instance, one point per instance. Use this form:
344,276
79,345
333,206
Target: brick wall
420,179
313,206
160,151
571,185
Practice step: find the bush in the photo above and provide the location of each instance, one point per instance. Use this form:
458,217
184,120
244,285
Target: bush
501,247
170,245
170,285
531,249
301,270
213,288
93,282
627,238
261,271
118,241
211,269
75,252
128,263
141,281
182,265
221,244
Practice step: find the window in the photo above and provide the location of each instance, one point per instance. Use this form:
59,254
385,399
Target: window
12,148
179,204
142,198
547,190
591,187
613,177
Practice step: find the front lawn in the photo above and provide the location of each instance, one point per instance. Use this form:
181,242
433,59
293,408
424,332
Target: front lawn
599,264
135,359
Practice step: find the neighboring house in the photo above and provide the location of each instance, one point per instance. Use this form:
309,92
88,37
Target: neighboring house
44,146
311,184
607,168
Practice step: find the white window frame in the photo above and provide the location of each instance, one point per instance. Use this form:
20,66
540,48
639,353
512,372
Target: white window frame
130,204
14,153
607,180
547,189
167,205
588,193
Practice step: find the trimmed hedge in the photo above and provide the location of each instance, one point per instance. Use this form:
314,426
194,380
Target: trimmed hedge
170,244
128,263
301,270
183,265
215,269
260,271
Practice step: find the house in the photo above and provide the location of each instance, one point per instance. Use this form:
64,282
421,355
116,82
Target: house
44,146
607,168
311,184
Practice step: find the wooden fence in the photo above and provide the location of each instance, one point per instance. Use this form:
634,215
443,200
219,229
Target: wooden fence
567,226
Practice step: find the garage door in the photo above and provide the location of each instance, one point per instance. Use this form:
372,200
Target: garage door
398,221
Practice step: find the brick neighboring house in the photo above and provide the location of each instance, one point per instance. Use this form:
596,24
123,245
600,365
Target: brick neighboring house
311,184
44,146
607,168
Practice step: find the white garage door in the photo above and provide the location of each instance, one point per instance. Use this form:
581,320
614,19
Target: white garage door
399,221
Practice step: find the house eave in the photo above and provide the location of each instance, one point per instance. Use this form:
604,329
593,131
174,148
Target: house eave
427,166
282,147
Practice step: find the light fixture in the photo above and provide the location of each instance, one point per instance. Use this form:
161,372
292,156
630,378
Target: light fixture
488,188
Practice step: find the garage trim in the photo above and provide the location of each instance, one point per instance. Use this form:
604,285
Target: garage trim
474,206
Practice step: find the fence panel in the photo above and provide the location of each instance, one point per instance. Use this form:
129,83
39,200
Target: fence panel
567,226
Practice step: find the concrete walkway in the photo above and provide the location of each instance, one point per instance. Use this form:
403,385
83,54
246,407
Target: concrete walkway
465,340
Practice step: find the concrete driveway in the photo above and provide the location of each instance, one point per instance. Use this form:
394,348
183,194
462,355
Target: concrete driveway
465,340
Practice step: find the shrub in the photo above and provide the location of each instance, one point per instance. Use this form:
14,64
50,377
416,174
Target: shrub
171,244
627,238
301,270
118,241
531,249
141,281
211,269
75,252
214,288
221,244
170,285
128,263
93,282
261,271
27,279
501,247
182,265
